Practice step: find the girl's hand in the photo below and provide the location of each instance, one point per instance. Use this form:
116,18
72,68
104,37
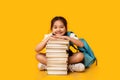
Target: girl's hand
48,37
52,37
62,37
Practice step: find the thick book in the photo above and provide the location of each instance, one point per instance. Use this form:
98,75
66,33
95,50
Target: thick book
57,65
57,59
56,55
58,41
56,47
57,68
56,50
52,72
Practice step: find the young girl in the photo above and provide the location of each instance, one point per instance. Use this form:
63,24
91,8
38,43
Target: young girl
59,30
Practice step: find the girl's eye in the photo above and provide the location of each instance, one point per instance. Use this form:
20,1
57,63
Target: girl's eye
55,27
61,26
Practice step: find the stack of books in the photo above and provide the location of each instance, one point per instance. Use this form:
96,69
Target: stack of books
57,56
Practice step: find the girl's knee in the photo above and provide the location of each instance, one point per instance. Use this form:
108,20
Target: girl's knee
79,57
39,56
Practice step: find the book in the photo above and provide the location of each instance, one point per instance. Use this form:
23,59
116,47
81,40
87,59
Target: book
57,65
56,47
56,59
57,68
56,50
56,55
59,61
53,72
58,41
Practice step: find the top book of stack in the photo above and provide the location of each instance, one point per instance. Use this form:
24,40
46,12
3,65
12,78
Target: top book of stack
58,41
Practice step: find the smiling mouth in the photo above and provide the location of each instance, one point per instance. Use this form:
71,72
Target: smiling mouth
58,32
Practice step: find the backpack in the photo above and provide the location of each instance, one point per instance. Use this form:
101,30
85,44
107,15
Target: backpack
89,57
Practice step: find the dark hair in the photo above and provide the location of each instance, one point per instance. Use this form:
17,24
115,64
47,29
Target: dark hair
62,19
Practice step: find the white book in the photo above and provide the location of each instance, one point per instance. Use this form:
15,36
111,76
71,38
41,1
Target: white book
56,65
56,59
58,41
56,55
57,47
56,50
61,61
52,72
57,68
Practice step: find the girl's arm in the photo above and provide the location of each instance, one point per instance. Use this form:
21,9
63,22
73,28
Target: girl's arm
77,42
43,43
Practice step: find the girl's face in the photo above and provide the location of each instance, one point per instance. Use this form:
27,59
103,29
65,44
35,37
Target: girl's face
58,28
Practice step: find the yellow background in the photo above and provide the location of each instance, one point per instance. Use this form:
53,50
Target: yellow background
23,24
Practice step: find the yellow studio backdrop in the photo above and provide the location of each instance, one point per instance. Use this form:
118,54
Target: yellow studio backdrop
23,24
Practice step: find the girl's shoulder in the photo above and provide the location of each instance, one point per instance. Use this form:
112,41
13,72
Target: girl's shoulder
47,35
72,34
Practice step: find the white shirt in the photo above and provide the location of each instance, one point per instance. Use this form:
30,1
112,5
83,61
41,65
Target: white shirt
72,35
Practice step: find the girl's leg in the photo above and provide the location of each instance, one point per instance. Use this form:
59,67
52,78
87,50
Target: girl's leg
41,58
75,62
75,58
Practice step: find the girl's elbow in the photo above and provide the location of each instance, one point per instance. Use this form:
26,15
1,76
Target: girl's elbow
81,45
36,50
